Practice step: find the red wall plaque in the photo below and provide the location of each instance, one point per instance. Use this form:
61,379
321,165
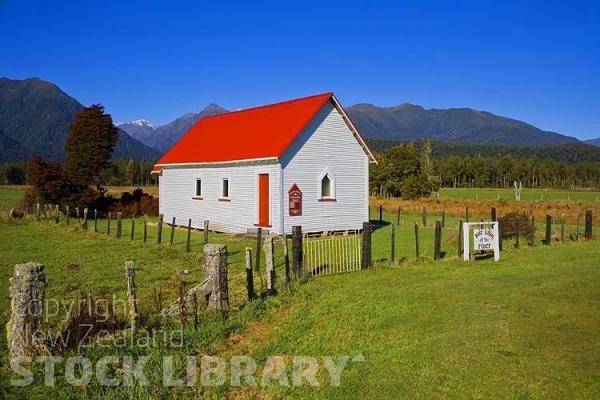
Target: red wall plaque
295,200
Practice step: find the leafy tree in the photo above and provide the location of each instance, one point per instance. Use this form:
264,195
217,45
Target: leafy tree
48,180
92,137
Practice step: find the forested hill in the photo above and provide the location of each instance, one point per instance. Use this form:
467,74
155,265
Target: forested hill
466,125
574,152
35,116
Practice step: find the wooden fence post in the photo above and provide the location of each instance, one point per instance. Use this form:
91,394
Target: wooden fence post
215,261
145,227
393,244
548,238
444,218
57,215
398,216
270,264
95,220
206,231
417,241
258,249
493,214
27,290
424,216
437,250
460,238
532,233
159,232
132,227
37,212
77,214
249,277
467,215
366,246
84,224
172,232
67,214
588,224
500,235
131,296
517,233
188,243
297,254
119,224
286,259
577,229
108,223
562,228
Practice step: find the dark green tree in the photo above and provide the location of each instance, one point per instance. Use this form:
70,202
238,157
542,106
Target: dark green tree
88,147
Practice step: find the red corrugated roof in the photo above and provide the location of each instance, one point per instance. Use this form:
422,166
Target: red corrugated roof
254,133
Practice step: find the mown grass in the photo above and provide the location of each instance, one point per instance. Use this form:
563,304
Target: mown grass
526,327
9,197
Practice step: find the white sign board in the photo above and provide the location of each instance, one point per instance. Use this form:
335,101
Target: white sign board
485,237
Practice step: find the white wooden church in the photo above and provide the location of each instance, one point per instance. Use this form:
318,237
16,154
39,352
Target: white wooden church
299,162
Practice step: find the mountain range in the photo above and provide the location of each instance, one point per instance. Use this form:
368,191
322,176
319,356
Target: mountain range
406,122
413,122
595,142
164,136
35,116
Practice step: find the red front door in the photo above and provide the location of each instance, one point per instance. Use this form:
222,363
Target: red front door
263,199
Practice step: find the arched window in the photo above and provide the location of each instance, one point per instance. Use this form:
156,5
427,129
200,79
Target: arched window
327,187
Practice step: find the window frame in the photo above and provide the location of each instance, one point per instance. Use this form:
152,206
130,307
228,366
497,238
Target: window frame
197,196
332,192
224,197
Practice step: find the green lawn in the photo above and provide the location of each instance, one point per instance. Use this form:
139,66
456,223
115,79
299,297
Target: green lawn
527,327
9,197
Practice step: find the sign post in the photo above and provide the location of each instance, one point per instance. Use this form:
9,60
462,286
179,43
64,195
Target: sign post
485,238
295,201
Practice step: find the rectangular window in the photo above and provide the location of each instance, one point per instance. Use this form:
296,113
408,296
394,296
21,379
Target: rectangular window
225,188
198,188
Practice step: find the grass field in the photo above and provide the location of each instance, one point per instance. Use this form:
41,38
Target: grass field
526,194
527,327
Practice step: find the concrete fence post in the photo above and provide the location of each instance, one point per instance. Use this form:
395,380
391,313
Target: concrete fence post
27,290
84,224
215,264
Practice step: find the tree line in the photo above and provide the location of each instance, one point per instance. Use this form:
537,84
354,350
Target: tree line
411,171
117,173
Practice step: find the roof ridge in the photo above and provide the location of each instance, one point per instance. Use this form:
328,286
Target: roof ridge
329,94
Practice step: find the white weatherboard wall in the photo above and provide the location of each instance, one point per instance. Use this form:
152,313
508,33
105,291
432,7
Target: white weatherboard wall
178,186
327,145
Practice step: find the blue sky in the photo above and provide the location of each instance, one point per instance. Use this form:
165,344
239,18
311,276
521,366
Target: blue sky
535,61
